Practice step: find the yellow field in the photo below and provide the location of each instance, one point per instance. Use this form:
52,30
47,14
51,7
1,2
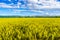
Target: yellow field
29,28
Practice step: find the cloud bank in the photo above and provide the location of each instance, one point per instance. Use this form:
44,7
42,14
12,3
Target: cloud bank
32,4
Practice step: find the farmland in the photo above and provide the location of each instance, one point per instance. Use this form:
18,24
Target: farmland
29,28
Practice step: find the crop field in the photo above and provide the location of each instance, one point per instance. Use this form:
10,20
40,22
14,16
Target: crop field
29,28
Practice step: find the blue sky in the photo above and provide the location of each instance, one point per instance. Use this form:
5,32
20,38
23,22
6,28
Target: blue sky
29,7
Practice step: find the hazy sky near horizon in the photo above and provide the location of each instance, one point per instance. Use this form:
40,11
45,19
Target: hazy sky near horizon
29,7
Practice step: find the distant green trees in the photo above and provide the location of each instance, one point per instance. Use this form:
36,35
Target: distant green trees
29,16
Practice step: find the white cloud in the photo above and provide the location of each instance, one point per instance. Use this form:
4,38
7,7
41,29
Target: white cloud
32,1
3,5
34,11
12,5
46,4
33,4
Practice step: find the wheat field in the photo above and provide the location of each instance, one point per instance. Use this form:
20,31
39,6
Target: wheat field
29,28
